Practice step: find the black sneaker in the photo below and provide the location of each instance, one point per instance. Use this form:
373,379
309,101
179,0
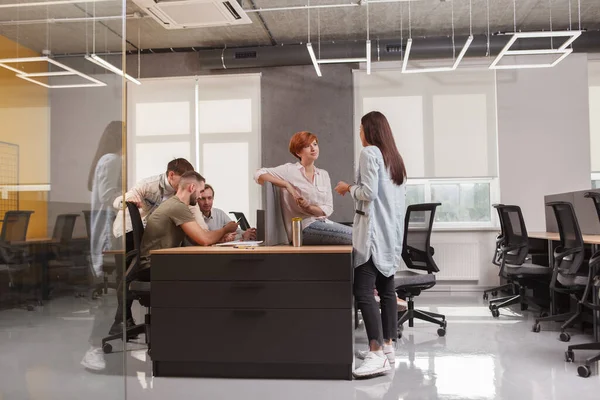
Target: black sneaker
117,328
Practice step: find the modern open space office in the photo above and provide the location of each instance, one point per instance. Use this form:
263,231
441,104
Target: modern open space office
106,106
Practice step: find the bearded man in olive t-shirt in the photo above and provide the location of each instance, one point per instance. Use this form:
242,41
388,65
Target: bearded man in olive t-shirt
166,227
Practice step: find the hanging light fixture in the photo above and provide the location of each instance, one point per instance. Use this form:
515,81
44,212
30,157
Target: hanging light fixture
457,60
94,58
562,52
65,70
318,61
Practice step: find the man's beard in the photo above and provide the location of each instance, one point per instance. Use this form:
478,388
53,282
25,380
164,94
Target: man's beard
193,200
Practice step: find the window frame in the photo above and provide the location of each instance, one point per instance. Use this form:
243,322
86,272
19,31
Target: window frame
494,184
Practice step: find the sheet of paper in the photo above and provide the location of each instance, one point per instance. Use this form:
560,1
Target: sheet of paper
241,243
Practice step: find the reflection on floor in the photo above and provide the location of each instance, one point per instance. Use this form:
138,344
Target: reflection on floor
480,358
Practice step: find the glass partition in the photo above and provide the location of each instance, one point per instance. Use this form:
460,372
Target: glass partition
61,174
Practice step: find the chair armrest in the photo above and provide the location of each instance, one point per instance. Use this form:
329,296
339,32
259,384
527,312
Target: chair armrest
559,255
508,249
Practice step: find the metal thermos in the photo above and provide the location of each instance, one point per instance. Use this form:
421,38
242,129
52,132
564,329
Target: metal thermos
296,232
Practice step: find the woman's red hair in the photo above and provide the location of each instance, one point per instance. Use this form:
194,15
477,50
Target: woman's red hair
300,140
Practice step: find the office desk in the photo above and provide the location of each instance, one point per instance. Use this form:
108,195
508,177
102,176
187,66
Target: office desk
553,236
266,312
594,241
41,251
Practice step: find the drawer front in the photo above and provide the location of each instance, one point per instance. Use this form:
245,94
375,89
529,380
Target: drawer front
252,294
251,267
252,336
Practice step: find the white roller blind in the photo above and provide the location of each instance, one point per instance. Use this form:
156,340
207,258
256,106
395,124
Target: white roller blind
213,121
161,125
594,82
229,140
444,123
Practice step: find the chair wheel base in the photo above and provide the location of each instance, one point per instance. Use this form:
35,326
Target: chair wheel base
495,312
441,332
564,337
495,293
107,348
536,328
584,371
569,356
485,296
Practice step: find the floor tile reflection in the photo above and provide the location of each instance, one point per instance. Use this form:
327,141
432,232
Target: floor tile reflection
479,358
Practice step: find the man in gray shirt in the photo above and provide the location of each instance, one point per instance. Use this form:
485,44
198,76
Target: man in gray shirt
217,219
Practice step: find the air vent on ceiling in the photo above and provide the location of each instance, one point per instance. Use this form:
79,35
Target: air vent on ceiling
244,54
182,14
393,48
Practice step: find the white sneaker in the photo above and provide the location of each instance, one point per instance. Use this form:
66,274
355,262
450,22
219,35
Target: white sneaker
94,359
375,364
388,350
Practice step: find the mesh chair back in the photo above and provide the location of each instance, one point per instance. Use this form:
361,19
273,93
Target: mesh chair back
515,234
595,196
571,240
417,252
138,232
87,216
14,227
63,229
500,237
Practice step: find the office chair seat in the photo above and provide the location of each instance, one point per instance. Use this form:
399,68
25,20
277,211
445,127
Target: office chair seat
141,292
140,287
572,280
13,267
527,269
420,280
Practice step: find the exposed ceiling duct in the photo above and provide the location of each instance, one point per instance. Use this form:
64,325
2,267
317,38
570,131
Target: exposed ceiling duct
381,50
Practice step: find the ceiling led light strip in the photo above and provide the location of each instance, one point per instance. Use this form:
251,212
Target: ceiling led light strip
457,60
563,51
105,64
67,71
454,66
317,61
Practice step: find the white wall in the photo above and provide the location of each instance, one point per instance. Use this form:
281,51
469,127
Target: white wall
543,134
78,119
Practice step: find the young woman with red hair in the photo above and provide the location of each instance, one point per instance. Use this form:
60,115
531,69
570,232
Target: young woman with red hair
307,194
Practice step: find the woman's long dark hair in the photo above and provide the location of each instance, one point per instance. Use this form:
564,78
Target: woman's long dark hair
378,133
110,142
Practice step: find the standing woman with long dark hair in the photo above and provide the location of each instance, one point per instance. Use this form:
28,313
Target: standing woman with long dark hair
379,195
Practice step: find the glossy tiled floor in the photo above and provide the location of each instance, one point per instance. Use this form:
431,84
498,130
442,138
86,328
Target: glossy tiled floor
480,358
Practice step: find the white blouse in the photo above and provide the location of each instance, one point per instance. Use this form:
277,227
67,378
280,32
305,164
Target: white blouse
316,192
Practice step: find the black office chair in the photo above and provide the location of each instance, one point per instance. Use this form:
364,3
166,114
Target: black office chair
513,261
62,264
15,262
14,226
497,259
570,272
244,225
594,266
417,253
109,266
138,289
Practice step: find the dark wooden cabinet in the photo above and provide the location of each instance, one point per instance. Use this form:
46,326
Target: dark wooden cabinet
268,312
